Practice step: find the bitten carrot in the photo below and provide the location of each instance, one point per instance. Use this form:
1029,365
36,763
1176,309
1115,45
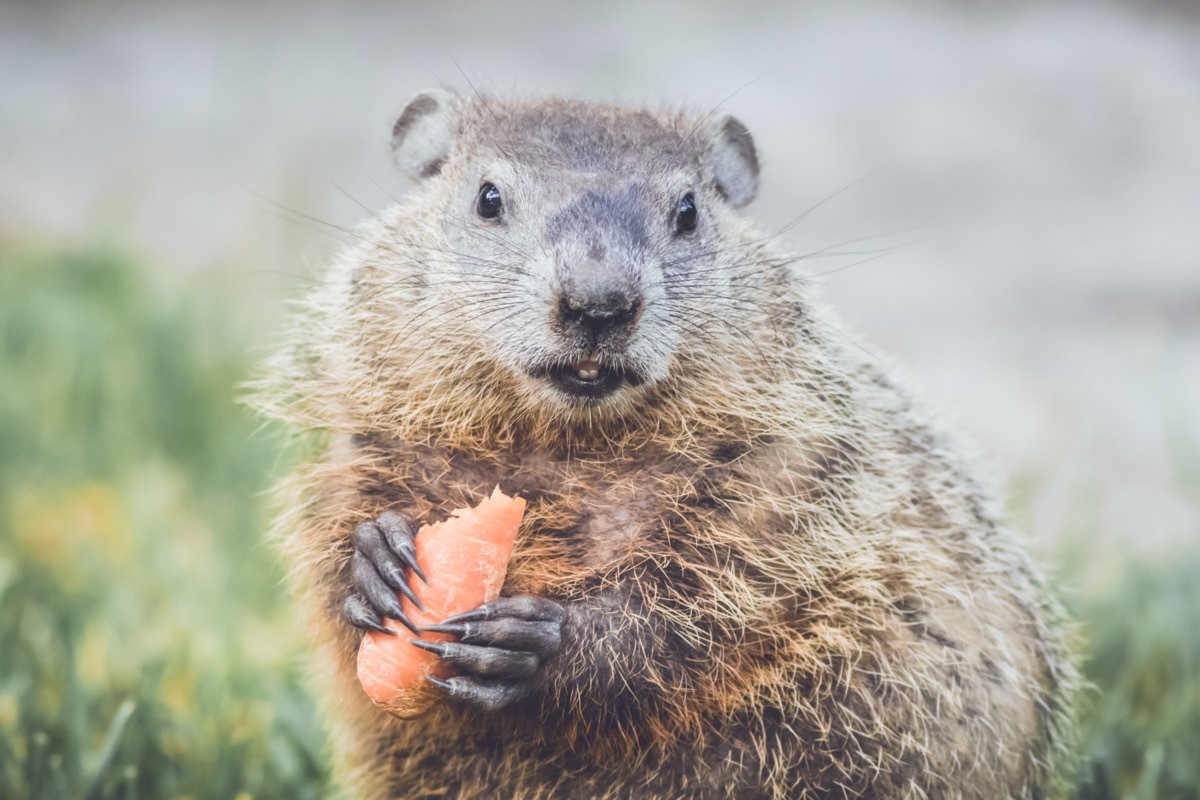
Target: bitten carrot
465,559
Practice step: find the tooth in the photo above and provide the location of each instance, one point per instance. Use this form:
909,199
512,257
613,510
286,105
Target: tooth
588,369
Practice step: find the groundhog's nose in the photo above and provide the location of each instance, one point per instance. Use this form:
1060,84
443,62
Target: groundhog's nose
599,314
600,304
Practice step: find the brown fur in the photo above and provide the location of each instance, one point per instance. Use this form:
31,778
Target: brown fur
820,599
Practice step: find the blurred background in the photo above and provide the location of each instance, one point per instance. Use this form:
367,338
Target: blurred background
1002,197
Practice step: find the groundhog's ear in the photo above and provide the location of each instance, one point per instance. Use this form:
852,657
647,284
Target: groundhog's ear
421,137
733,161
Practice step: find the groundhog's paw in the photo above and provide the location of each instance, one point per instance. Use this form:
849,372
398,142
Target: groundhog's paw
384,549
501,645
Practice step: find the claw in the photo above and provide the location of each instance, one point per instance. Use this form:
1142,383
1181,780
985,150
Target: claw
524,607
492,662
377,592
483,695
406,622
358,612
399,530
541,637
474,615
409,556
397,582
437,648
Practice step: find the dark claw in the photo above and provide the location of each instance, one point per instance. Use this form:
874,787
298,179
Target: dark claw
359,613
443,685
538,637
395,578
526,607
486,696
400,531
373,541
501,645
489,661
377,592
437,648
384,551
408,553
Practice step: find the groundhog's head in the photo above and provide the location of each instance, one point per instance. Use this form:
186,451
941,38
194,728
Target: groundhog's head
584,251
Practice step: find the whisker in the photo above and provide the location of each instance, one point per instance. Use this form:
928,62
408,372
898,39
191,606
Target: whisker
769,315
731,326
836,193
844,267
479,336
295,212
369,212
483,102
512,248
450,279
412,327
388,194
737,271
717,108
324,231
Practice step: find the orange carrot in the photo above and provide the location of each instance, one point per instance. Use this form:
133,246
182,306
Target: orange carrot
465,559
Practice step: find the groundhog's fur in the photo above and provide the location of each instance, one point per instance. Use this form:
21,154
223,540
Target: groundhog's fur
794,587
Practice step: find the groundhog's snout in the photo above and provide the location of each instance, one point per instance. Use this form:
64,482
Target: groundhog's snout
598,304
601,315
596,312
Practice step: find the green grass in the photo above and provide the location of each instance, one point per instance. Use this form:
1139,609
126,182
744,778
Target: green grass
1142,724
146,645
146,648
1140,616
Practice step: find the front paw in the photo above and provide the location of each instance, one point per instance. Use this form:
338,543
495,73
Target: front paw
383,550
501,646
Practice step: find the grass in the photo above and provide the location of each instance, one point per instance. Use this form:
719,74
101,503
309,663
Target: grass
146,647
1142,726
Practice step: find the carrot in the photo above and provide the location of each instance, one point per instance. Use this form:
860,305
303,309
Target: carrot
465,559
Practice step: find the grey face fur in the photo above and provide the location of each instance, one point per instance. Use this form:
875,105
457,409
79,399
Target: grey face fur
588,257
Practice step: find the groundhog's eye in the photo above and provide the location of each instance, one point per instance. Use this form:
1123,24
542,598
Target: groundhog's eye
685,215
489,205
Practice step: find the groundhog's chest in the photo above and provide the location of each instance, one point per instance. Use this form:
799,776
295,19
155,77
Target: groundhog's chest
586,516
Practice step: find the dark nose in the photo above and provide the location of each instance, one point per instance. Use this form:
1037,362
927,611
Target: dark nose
599,310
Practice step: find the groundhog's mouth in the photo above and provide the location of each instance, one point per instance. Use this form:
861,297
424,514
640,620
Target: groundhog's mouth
589,378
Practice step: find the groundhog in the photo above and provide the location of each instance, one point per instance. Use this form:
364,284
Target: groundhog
751,567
